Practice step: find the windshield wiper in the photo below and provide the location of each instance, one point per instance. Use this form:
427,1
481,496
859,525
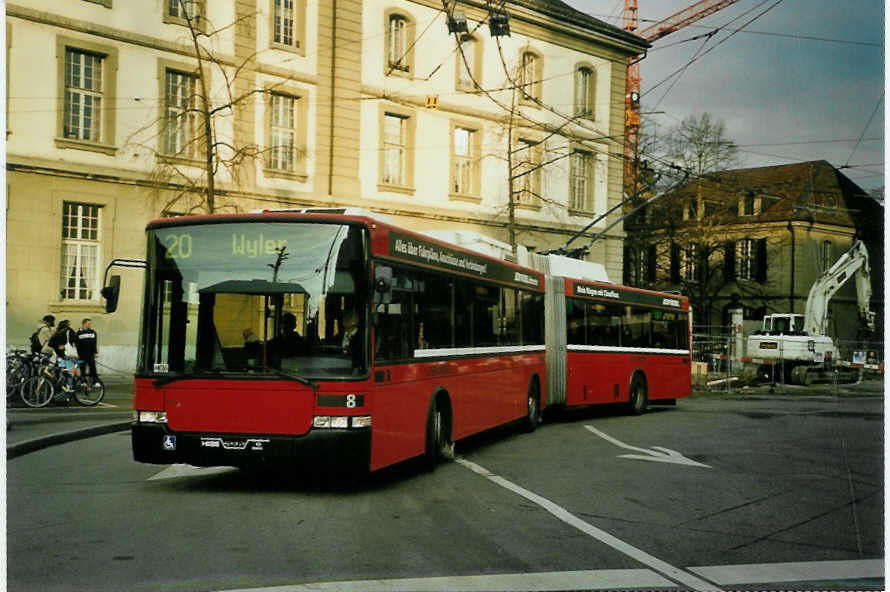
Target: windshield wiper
164,380
295,377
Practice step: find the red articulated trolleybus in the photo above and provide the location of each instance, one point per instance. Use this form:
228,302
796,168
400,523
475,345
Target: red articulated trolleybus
612,344
330,337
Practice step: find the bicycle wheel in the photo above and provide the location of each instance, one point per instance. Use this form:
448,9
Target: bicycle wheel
37,391
88,392
15,376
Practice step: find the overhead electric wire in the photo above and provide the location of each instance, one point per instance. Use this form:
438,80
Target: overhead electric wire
862,135
721,42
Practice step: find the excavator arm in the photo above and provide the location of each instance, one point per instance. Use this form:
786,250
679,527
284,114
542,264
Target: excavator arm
854,261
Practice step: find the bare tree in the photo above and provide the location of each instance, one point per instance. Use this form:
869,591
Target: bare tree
196,141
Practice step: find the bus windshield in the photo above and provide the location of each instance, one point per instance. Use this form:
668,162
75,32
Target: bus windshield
280,298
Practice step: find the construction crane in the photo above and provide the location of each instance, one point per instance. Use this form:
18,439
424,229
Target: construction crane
631,23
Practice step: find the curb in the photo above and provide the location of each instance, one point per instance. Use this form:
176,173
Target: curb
34,444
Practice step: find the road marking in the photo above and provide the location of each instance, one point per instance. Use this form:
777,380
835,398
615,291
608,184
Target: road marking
662,567
180,470
811,571
605,579
655,454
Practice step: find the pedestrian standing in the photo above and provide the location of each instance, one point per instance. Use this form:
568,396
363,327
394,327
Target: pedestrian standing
63,336
87,343
40,338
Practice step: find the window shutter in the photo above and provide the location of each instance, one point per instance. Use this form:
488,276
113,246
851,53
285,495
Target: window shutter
675,263
628,257
729,260
650,263
703,273
761,260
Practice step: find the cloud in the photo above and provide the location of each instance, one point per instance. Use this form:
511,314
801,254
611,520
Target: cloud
787,78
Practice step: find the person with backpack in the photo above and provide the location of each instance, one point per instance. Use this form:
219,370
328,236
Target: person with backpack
63,336
40,338
87,343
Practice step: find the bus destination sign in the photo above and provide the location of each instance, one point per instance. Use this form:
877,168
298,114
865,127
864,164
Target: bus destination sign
629,296
417,250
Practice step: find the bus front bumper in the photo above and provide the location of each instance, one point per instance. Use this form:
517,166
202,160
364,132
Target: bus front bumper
342,448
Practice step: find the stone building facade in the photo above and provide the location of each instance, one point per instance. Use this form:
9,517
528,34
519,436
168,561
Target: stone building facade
314,103
758,239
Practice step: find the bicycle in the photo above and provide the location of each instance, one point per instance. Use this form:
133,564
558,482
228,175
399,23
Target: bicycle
56,382
20,366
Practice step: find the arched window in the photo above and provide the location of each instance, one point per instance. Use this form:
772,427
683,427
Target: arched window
399,58
530,70
585,92
469,62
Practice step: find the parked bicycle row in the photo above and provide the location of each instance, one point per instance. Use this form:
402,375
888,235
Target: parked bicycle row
38,379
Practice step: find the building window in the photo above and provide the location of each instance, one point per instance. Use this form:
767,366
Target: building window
284,18
181,114
468,61
288,17
690,263
394,149
748,204
86,86
746,259
581,178
83,95
690,212
80,251
528,172
827,254
463,161
585,92
181,12
283,145
399,52
530,76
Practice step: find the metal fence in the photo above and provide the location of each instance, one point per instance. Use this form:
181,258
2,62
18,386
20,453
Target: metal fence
720,362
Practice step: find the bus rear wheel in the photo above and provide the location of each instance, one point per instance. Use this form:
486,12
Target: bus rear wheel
638,398
533,414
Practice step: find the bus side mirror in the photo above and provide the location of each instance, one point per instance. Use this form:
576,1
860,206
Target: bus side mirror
383,284
111,292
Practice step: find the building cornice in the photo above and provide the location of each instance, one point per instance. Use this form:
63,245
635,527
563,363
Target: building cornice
89,28
532,23
134,179
153,43
578,134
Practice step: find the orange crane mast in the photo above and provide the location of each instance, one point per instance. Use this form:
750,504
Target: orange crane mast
666,26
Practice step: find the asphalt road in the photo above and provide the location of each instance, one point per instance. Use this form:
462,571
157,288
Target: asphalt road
710,495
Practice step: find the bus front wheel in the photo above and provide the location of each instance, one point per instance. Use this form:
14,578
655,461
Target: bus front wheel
438,434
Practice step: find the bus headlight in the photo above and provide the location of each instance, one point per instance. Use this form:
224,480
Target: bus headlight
341,422
150,416
361,421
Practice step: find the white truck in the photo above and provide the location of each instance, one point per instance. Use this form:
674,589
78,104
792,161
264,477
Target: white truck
800,342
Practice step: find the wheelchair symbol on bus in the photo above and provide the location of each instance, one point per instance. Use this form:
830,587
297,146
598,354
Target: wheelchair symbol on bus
169,443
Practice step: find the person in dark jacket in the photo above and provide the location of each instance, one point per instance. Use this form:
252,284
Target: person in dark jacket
87,343
64,334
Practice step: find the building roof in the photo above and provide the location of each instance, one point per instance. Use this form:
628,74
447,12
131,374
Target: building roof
812,191
562,11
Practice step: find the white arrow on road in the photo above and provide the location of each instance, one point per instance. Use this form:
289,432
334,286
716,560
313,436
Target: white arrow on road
656,453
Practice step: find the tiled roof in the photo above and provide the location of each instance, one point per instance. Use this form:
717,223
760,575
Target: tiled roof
560,10
809,191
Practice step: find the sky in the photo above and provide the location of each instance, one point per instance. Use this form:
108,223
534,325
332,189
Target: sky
802,81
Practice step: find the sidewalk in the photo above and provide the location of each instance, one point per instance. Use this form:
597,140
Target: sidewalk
28,430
